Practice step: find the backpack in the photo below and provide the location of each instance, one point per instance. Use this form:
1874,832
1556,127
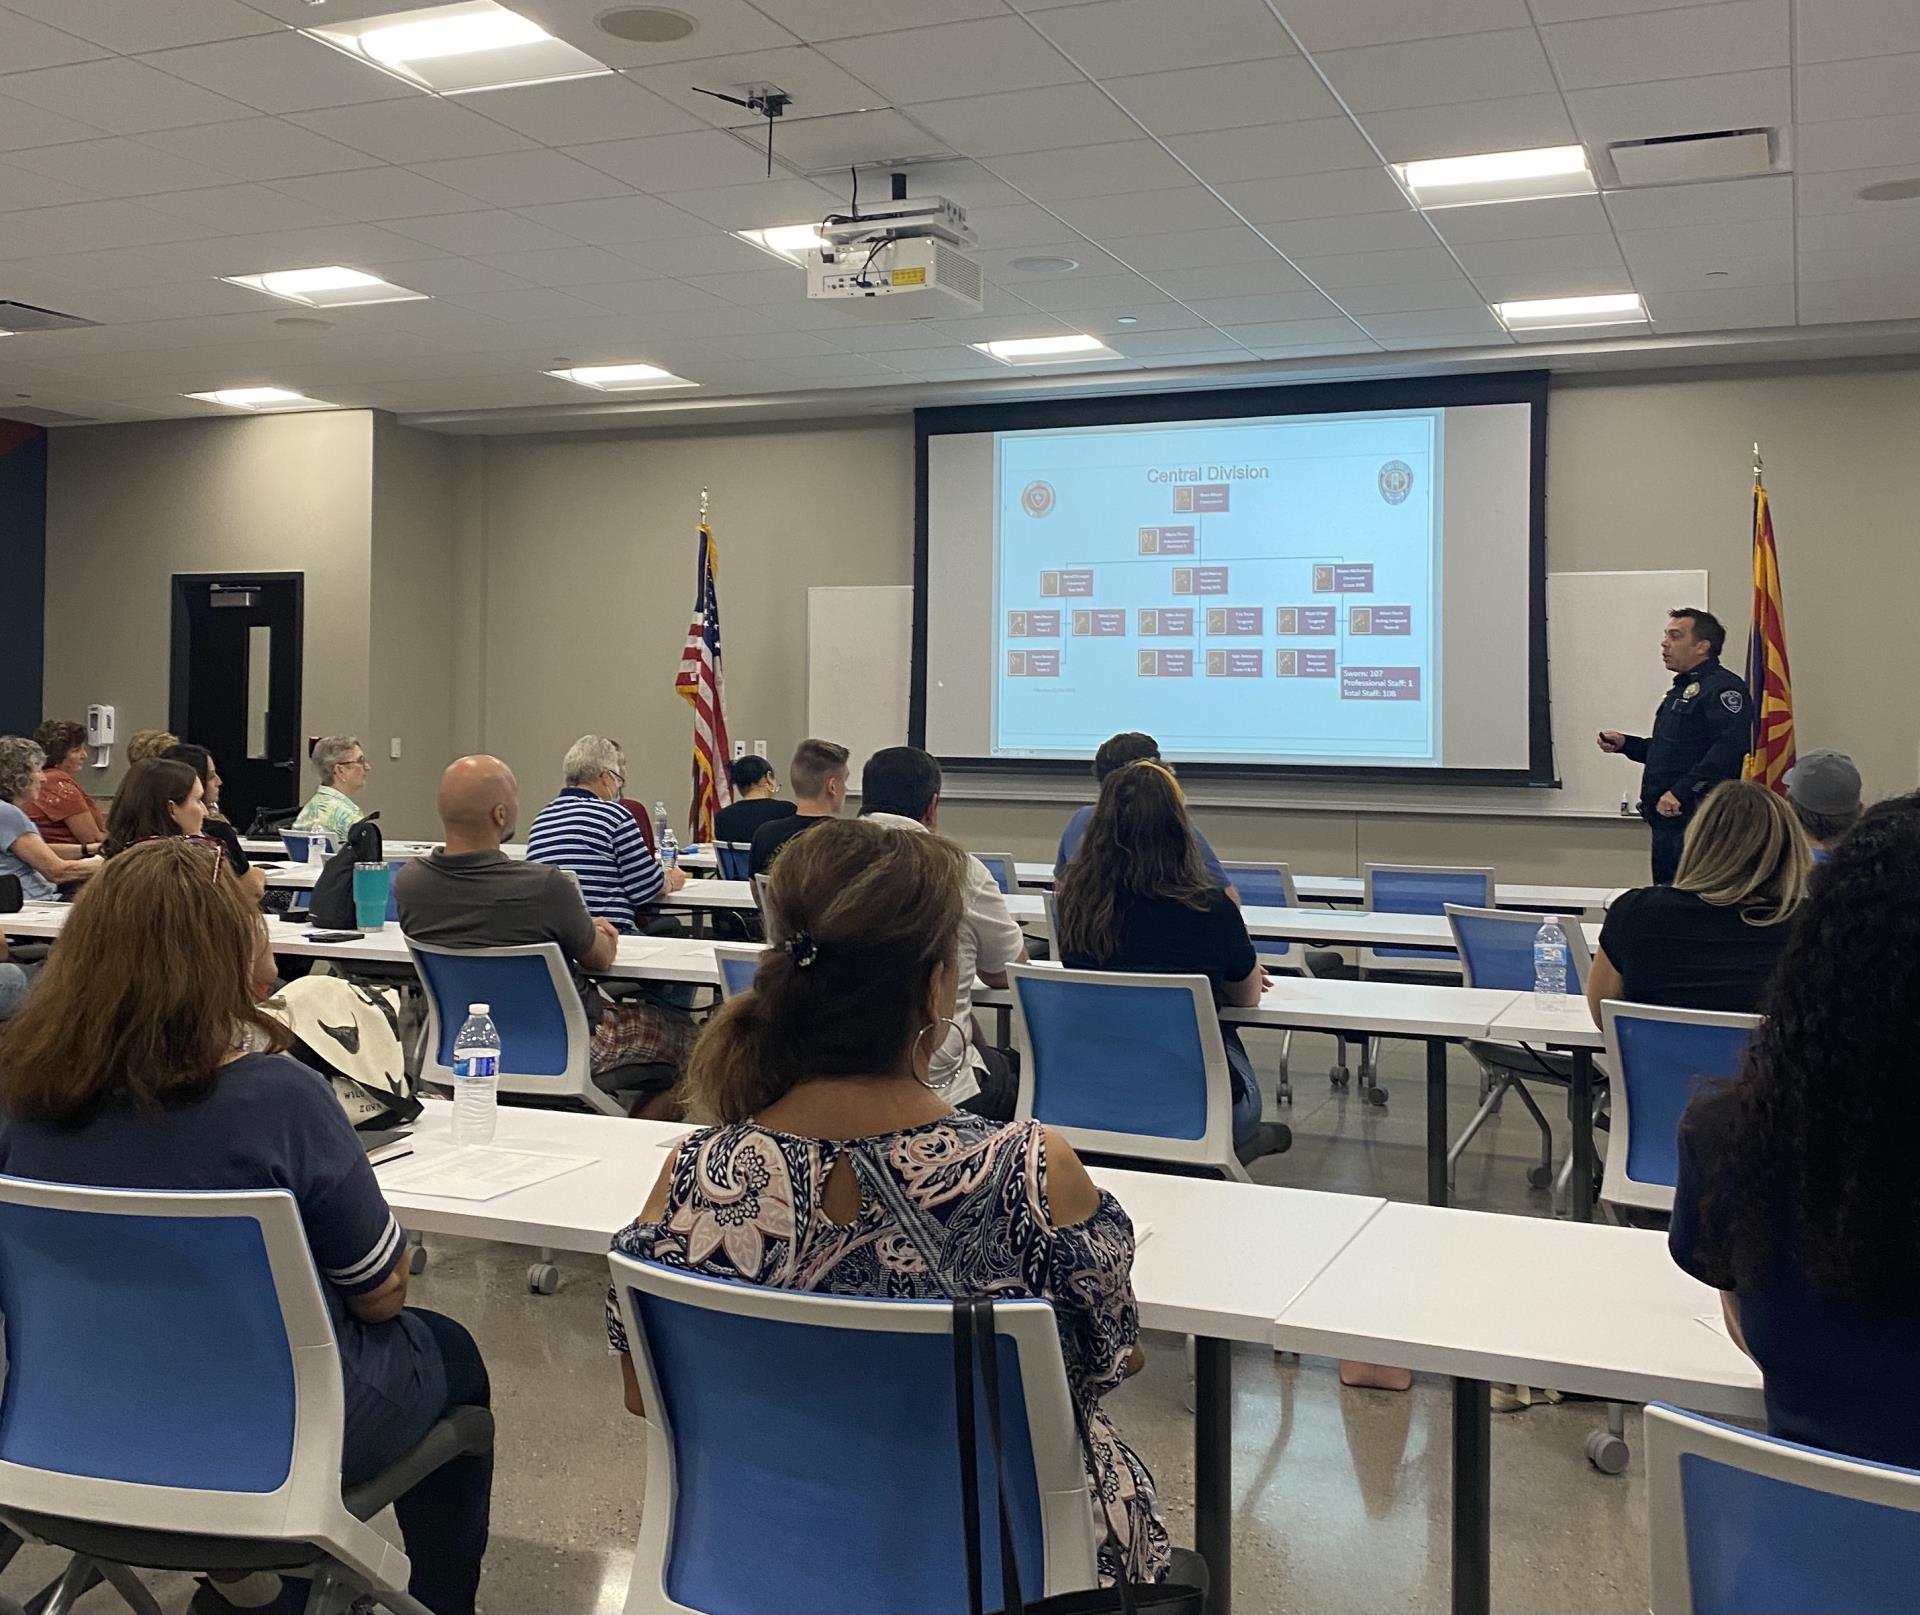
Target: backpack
332,906
350,1034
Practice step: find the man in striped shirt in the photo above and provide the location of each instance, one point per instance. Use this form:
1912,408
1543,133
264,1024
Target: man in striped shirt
585,830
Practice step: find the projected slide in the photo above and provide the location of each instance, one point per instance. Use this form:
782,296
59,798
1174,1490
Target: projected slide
1267,590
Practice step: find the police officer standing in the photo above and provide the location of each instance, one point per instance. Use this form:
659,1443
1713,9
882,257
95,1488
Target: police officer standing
1701,733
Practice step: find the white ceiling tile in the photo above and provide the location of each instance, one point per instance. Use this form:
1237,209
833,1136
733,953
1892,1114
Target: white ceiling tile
416,129
1452,292
1549,11
1880,86
1406,344
469,234
245,209
1113,38
754,207
1821,262
443,277
1353,232
378,193
1742,308
615,220
1200,249
119,167
1569,282
838,142
684,162
1837,192
178,300
1433,322
1232,313
715,253
1273,150
127,28
1268,337
1835,30
661,296
818,86
121,96
1027,120
1729,201
1519,221
564,266
86,227
1733,37
998,265
257,148
1190,207
1886,227
1439,72
20,188
1756,100
1126,165
1270,277
523,178
1339,24
1158,316
577,111
815,20
25,43
524,303
1508,123
955,59
754,288
1235,96
972,185
1137,344
1822,148
1318,196
1023,224
1894,297
1596,252
724,27
110,270
24,125
279,72
1681,258
350,244
1350,270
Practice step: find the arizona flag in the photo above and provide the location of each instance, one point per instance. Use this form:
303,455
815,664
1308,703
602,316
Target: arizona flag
700,680
1768,680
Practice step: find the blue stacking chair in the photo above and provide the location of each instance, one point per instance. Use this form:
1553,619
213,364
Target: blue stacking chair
1748,1524
739,962
856,1495
735,859
1125,1064
1420,889
1658,1059
1000,866
173,1396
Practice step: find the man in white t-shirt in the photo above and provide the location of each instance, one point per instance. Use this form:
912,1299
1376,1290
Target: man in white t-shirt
901,786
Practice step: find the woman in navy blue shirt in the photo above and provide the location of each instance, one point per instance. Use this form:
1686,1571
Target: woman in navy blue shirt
1797,1195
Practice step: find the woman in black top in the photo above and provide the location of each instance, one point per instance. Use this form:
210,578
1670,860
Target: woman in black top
1137,897
1710,940
217,827
755,800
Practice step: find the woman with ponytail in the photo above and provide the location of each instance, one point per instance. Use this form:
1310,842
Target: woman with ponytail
832,1166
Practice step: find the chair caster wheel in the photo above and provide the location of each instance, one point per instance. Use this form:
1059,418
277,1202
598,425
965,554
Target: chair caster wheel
1376,1095
1607,1452
1540,1177
417,1262
1339,1077
543,1278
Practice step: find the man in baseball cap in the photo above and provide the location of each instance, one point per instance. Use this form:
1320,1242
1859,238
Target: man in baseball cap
1824,789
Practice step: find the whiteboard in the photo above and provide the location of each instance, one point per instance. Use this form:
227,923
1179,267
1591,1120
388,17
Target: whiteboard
1603,632
859,656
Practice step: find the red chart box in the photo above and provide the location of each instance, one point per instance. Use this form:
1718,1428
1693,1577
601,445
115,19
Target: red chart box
1392,619
1340,579
1199,580
1033,664
1379,684
1165,664
1033,625
1303,664
1166,622
1237,620
1167,540
1236,664
1100,624
1076,583
1304,620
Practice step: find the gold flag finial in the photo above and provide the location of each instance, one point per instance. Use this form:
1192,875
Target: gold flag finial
703,493
1756,465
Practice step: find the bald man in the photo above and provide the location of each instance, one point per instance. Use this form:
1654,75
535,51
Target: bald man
469,894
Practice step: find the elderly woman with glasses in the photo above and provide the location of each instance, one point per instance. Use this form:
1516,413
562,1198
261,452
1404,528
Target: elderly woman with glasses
342,764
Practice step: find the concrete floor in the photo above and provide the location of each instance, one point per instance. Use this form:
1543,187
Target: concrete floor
1341,1494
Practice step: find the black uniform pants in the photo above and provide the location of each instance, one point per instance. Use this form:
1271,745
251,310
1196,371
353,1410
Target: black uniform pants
1668,834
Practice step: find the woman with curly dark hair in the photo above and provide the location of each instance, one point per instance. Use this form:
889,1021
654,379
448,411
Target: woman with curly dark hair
1797,1193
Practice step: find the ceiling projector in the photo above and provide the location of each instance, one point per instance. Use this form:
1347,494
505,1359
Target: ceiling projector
897,260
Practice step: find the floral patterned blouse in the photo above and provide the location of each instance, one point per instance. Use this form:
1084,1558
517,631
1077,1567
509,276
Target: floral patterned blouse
747,1203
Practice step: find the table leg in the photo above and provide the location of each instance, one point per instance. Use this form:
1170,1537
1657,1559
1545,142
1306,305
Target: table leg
1213,1466
1580,1120
1472,1497
1437,1140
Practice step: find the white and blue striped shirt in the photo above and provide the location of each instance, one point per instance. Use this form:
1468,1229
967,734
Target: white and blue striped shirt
600,843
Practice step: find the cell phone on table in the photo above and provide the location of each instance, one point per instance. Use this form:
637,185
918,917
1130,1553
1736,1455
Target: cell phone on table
335,936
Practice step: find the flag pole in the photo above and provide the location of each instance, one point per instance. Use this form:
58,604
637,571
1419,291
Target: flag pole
1756,468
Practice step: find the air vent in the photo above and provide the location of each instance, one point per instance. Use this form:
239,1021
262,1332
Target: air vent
25,317
1680,159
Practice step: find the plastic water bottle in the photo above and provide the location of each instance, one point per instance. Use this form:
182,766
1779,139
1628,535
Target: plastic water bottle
669,848
319,850
661,823
476,1077
1550,963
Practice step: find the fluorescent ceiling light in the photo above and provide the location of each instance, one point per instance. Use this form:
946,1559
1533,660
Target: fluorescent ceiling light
1558,313
790,243
450,50
1045,349
260,398
333,286
622,378
1499,176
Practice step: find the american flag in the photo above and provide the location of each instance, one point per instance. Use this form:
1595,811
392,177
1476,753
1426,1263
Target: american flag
1768,679
700,680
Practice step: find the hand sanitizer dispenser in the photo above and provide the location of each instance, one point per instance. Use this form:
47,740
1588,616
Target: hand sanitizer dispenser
100,734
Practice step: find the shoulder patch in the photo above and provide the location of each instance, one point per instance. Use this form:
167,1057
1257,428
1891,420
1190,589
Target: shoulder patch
1732,700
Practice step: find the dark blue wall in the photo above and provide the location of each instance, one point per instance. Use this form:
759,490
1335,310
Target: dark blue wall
23,574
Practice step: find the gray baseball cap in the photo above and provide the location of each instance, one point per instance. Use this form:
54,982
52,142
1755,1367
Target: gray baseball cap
1824,782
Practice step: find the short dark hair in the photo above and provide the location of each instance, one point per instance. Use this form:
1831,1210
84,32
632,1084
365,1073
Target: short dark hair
58,736
1116,751
899,779
1705,626
1825,827
198,758
748,771
814,763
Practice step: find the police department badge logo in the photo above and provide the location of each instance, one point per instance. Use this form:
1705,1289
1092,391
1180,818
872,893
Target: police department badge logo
1396,481
1690,691
1036,499
1732,700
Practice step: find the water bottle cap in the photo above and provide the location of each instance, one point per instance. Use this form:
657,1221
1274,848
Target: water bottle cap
479,1009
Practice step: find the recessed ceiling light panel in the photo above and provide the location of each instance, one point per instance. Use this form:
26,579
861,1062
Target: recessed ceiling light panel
790,243
260,400
330,286
621,378
1045,349
1498,176
452,50
1565,313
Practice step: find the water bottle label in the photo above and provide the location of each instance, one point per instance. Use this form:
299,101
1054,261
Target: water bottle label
477,1065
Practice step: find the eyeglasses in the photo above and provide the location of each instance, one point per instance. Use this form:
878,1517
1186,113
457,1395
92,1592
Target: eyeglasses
619,779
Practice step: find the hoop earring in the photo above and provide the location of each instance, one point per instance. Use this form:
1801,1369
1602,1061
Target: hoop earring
951,1023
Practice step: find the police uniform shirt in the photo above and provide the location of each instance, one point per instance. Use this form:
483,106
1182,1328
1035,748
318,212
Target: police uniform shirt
1701,733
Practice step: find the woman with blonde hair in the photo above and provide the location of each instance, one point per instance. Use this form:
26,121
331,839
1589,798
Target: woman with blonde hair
1711,939
834,1166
